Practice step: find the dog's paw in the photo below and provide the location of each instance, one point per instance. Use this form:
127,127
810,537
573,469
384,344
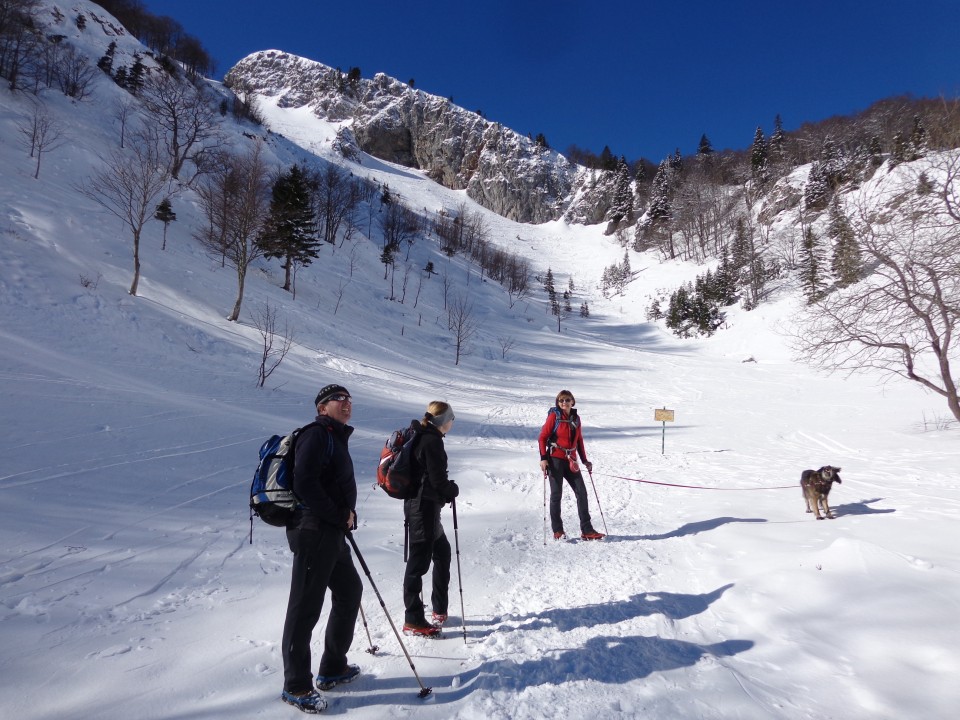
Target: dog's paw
819,517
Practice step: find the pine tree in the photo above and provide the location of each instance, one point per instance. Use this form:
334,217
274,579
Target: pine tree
847,261
166,215
758,157
136,76
776,147
811,267
584,310
290,232
679,312
875,152
704,148
899,152
608,160
918,140
660,194
622,207
551,292
105,63
816,193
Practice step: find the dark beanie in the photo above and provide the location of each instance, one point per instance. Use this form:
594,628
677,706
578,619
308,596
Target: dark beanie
328,390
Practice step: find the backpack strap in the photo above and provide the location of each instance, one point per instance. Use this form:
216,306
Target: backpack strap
574,422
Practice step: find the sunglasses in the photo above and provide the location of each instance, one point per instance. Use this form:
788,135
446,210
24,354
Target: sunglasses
340,397
565,400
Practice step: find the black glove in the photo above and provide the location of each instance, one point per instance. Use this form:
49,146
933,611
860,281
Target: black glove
588,465
452,490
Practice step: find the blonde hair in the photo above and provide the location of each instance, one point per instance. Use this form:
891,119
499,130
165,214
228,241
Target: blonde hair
436,409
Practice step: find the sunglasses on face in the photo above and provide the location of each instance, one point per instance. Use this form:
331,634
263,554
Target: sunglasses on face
340,398
565,400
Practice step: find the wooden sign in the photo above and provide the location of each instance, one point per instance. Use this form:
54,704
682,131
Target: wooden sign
663,415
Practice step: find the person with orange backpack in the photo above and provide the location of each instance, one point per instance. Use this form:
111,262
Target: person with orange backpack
560,442
428,542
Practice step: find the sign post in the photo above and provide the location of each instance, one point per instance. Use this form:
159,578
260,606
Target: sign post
664,416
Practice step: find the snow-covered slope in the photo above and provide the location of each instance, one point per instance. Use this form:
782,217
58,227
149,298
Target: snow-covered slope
129,428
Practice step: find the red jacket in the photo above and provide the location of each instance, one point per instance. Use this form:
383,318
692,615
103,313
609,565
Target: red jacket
569,436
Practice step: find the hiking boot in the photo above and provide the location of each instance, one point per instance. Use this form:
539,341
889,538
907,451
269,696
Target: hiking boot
439,618
423,629
593,535
560,535
327,682
309,701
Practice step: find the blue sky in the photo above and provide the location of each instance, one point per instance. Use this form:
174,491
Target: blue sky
643,78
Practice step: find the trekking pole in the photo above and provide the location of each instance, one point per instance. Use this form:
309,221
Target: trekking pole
456,540
424,691
544,507
590,473
373,648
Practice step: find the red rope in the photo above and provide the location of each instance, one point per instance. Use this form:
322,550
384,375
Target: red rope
697,487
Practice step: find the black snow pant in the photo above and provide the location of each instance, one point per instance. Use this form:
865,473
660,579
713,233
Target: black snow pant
321,560
428,543
559,470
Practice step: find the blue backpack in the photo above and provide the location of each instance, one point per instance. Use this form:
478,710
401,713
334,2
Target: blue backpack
271,493
557,416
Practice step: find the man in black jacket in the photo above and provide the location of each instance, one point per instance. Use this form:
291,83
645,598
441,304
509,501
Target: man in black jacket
324,482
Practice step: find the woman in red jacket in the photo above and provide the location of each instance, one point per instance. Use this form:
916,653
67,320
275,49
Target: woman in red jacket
561,441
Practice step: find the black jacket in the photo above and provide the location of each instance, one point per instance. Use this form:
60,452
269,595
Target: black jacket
432,457
323,478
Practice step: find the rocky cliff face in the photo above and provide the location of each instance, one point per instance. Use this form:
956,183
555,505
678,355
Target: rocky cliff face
499,168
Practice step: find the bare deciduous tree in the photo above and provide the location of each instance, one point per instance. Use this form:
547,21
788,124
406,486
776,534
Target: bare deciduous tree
462,324
43,133
902,319
128,187
235,197
189,122
276,341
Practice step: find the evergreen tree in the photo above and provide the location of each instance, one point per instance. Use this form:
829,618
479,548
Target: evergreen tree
679,312
622,207
816,193
541,142
166,215
105,63
290,232
660,194
136,76
676,164
918,140
607,159
875,152
811,267
776,146
584,310
758,157
899,152
705,148
847,261
551,292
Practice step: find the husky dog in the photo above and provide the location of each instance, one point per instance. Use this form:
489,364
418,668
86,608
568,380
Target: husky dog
816,486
